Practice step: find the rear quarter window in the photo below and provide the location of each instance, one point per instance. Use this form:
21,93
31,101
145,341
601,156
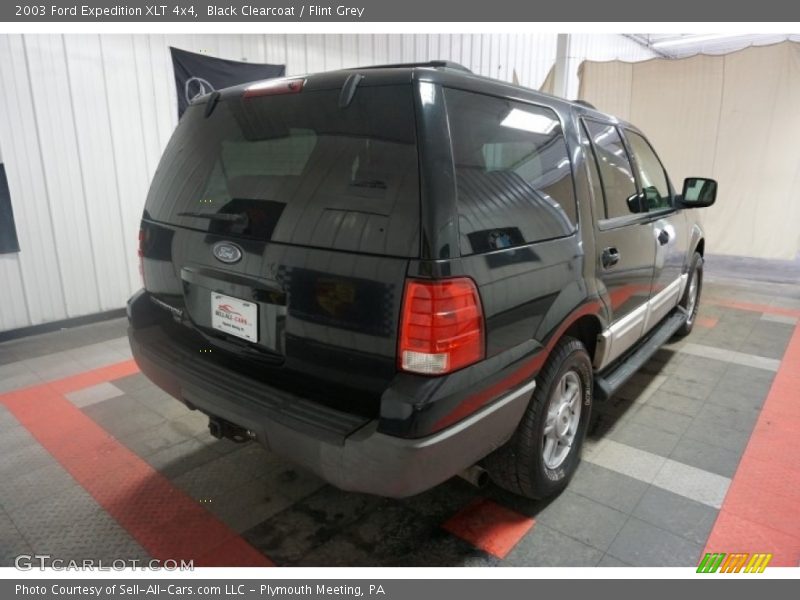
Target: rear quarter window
513,174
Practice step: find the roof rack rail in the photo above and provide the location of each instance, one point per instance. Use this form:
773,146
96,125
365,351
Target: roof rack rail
445,64
585,103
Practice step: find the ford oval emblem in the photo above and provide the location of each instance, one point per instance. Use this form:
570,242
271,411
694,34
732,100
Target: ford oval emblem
227,252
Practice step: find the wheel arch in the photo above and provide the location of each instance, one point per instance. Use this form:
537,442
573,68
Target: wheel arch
586,329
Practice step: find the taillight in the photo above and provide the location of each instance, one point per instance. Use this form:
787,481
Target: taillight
441,326
274,88
140,252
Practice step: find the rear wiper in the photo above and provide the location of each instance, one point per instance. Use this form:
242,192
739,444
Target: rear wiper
229,217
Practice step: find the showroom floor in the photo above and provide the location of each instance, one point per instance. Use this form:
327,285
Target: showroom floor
96,462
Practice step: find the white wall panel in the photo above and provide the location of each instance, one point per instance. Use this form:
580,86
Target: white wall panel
57,132
84,119
31,281
100,186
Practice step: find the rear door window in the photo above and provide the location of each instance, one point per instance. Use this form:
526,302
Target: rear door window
513,173
297,169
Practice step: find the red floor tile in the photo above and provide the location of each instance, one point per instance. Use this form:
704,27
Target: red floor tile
487,525
735,534
165,521
707,322
762,506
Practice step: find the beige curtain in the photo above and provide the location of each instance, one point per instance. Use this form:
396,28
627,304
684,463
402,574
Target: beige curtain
735,118
549,81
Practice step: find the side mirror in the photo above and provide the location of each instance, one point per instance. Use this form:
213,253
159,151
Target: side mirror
698,192
635,203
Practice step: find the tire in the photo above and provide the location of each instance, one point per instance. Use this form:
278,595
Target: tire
521,465
694,287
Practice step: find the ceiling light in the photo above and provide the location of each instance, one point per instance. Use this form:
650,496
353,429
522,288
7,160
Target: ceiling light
520,119
692,39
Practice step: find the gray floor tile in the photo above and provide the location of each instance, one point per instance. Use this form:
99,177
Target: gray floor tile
12,542
676,514
741,419
98,355
122,416
583,519
24,459
661,419
40,517
93,394
644,545
14,437
293,533
34,486
384,537
707,457
602,485
208,481
248,505
744,357
443,500
93,537
676,403
291,481
717,435
145,442
133,383
442,549
180,458
51,367
21,379
627,460
644,437
746,380
545,547
7,355
691,482
737,398
159,401
688,388
610,561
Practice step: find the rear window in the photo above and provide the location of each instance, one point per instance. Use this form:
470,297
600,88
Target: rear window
297,169
513,173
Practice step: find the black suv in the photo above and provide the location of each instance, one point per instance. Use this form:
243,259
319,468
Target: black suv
390,275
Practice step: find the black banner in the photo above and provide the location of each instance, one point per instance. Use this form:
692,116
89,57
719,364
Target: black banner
198,74
8,230
237,11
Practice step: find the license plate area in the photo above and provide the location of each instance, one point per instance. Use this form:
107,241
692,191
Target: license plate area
234,316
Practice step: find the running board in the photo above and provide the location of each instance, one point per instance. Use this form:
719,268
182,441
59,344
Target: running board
607,384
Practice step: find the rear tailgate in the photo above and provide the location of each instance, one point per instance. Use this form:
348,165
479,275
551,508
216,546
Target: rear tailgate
280,228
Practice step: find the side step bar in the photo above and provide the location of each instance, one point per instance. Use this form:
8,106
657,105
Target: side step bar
609,382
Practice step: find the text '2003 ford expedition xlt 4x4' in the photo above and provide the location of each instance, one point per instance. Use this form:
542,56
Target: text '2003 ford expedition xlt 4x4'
389,275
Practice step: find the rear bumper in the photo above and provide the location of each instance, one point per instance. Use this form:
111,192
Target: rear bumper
345,450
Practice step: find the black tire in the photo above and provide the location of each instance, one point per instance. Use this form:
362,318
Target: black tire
695,275
519,466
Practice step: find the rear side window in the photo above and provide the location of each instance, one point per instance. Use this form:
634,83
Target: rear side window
513,173
297,169
615,168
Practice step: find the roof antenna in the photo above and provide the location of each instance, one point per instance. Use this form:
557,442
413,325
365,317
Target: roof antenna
349,89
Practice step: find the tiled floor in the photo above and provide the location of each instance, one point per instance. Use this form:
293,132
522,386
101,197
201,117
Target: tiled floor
657,466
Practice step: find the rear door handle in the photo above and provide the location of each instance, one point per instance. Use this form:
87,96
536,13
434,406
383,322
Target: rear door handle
609,258
663,237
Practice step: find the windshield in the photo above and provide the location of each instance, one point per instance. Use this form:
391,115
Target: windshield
297,169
